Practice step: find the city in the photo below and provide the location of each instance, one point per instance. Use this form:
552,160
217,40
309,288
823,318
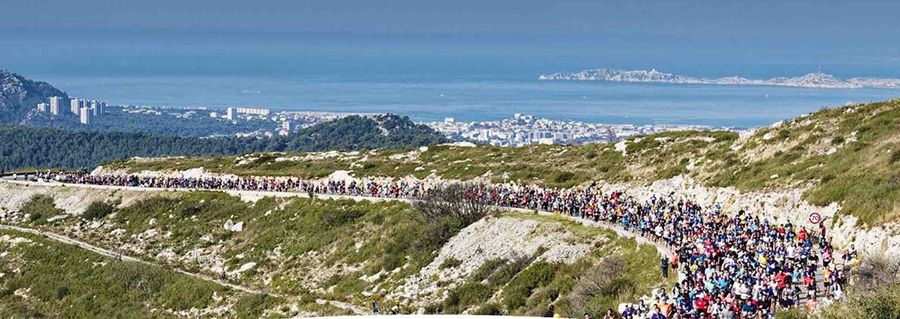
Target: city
520,130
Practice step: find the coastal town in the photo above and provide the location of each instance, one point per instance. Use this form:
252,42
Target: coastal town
519,130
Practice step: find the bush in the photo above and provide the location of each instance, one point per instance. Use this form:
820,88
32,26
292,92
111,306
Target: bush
487,269
837,140
62,292
504,274
467,295
253,306
98,210
521,287
40,207
452,201
490,309
342,217
563,177
596,289
451,263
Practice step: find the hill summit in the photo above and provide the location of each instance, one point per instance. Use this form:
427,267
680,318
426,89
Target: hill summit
19,94
364,132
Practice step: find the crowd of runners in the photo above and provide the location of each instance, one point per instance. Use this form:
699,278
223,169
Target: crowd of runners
728,265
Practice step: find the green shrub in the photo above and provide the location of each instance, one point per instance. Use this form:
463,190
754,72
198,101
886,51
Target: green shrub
98,210
62,292
487,269
451,263
518,290
837,140
563,177
490,309
40,207
342,217
253,306
504,274
467,295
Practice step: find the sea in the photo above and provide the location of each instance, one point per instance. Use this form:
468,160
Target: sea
427,79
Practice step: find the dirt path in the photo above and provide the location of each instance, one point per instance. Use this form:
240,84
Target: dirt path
116,255
122,257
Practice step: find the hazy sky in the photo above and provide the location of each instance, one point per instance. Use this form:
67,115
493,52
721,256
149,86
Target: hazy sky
858,20
861,35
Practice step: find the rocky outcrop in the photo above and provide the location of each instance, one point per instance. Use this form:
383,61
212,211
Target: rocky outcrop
780,206
491,238
19,95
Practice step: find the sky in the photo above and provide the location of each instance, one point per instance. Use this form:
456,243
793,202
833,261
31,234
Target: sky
817,32
759,19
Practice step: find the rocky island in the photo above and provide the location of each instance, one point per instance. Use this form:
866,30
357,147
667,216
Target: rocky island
809,80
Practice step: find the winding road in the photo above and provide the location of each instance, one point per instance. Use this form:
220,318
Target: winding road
252,195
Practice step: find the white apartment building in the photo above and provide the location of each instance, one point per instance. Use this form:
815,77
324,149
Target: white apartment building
86,116
56,103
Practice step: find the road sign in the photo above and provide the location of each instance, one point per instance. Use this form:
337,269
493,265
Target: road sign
815,218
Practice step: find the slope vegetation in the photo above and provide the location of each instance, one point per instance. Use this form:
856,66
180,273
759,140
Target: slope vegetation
41,147
345,252
848,155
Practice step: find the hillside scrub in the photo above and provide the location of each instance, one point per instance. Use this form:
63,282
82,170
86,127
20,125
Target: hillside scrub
452,202
98,210
300,246
849,155
39,208
65,281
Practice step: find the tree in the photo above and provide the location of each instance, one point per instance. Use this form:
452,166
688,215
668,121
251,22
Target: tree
459,201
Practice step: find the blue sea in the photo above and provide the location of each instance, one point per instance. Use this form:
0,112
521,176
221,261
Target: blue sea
426,79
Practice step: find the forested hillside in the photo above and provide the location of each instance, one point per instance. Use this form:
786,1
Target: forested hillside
22,147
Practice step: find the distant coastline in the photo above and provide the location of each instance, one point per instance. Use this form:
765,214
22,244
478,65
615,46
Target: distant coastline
809,80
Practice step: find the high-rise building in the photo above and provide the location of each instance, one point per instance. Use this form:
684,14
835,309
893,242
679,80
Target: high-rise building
285,128
85,117
74,106
56,104
253,111
95,108
42,107
229,114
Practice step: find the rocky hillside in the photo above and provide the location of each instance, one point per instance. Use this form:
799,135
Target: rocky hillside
849,156
327,257
19,95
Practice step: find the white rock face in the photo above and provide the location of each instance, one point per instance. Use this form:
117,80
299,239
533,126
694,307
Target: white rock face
245,267
491,238
781,206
